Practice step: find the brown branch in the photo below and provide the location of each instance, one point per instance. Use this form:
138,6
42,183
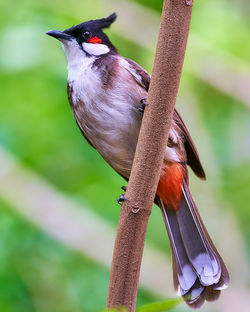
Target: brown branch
124,276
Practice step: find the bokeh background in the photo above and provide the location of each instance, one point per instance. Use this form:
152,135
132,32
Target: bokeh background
58,212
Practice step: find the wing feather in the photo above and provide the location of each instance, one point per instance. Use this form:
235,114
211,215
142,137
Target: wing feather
193,159
139,74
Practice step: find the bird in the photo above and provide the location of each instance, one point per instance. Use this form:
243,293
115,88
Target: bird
107,94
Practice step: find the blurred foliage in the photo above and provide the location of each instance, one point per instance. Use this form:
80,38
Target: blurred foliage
160,306
37,273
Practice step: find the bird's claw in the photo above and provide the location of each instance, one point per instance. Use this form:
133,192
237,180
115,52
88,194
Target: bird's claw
121,199
143,105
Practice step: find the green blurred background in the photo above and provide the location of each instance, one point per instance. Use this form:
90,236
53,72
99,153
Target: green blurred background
45,162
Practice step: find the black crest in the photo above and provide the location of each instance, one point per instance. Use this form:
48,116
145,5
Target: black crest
103,22
97,24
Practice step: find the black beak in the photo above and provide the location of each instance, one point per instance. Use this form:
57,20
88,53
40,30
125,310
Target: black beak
59,34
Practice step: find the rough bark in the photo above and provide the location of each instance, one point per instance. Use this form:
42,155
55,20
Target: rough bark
128,250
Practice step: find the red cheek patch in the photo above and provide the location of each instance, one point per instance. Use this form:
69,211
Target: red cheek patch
95,39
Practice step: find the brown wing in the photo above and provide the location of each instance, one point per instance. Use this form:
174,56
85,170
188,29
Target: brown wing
144,76
193,159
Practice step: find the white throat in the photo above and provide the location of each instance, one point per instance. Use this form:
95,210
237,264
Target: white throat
77,57
78,61
73,52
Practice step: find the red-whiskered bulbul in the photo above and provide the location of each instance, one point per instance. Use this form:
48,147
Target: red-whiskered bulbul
106,92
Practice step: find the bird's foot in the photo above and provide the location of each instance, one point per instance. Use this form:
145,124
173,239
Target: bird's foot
143,105
121,199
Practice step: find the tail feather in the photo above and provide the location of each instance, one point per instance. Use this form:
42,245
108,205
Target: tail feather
201,255
199,271
184,270
224,275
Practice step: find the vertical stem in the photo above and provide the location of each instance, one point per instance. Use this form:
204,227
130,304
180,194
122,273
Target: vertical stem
128,250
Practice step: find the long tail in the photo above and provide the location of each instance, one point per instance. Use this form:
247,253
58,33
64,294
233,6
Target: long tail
199,271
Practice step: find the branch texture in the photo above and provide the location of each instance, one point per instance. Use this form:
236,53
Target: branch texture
128,250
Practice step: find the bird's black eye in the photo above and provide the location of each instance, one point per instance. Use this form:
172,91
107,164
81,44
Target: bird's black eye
86,34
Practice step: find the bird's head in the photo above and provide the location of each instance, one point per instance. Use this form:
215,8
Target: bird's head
86,38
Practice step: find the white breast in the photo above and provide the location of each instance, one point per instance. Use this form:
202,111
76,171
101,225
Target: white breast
83,80
108,117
